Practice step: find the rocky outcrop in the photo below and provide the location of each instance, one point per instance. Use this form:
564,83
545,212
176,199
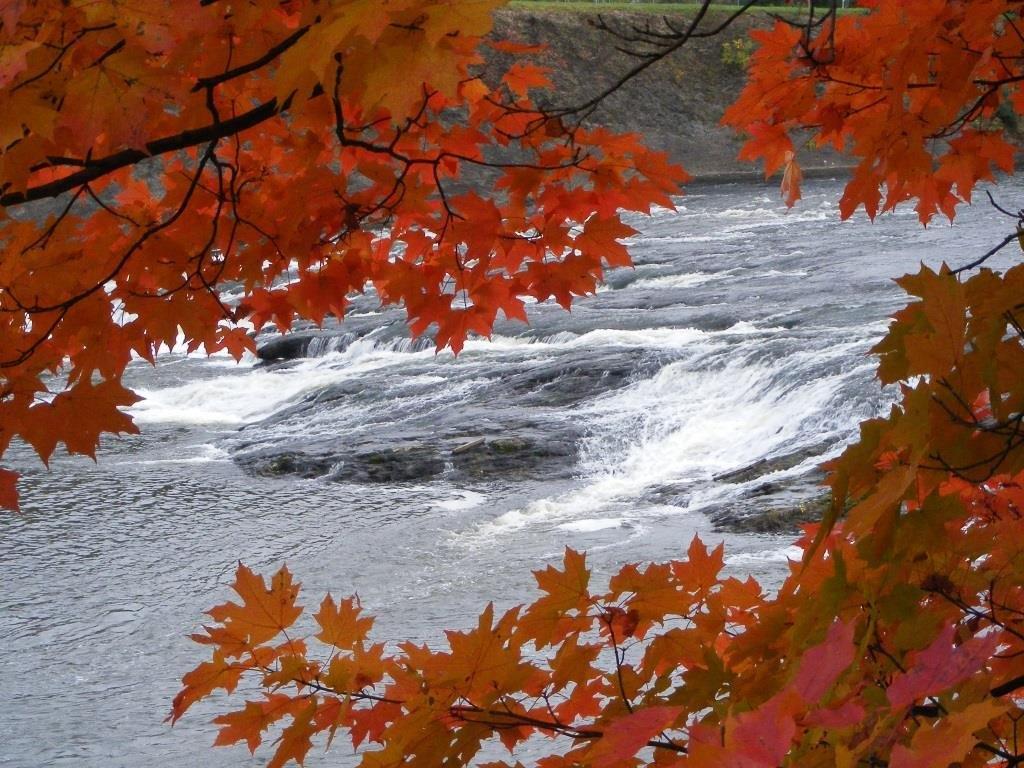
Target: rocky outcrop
292,346
515,456
767,466
784,519
507,457
318,342
773,505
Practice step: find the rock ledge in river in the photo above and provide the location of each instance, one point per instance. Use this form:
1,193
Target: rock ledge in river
515,456
466,460
775,519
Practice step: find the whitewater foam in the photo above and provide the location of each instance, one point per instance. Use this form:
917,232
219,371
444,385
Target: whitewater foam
777,555
461,500
685,280
235,399
207,454
589,525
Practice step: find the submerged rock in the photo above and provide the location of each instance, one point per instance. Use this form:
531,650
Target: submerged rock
576,376
773,503
285,464
391,465
457,460
317,342
387,465
515,456
299,344
776,519
766,466
288,347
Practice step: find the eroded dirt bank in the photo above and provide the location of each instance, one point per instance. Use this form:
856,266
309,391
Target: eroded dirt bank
676,104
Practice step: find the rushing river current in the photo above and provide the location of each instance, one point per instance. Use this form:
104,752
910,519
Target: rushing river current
738,341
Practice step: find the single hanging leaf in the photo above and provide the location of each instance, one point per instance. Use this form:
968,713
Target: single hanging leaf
296,740
822,665
341,624
9,489
601,237
249,723
567,593
264,611
203,680
792,176
940,666
628,735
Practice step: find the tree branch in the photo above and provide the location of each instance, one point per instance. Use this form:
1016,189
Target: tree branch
94,169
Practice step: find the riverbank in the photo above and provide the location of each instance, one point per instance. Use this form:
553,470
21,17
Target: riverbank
676,104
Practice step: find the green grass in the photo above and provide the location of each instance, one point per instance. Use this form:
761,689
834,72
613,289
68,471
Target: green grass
648,7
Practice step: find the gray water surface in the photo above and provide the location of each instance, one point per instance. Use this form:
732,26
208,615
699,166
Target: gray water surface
741,335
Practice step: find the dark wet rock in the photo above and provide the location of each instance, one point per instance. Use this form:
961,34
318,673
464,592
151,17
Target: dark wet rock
510,445
773,504
744,474
671,493
515,456
288,347
767,489
308,340
391,465
776,519
311,343
388,465
569,379
289,463
481,459
782,510
763,467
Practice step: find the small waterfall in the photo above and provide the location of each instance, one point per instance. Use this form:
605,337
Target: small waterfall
326,344
320,346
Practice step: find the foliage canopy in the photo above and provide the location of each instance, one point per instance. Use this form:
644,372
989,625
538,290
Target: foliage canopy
899,638
371,109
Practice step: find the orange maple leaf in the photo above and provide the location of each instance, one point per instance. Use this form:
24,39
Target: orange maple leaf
627,735
203,680
341,624
265,611
601,238
249,723
9,489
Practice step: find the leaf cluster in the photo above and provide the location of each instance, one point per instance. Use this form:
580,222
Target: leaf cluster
909,90
210,169
898,638
298,152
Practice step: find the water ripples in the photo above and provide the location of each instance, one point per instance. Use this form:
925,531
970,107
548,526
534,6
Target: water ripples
741,335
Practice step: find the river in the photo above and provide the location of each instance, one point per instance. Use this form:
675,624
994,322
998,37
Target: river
740,335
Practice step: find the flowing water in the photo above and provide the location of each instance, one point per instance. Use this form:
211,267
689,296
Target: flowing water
740,336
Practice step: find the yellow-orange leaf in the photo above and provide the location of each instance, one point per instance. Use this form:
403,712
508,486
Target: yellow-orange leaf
264,611
341,624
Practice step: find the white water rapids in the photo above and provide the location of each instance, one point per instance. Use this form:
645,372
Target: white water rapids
741,336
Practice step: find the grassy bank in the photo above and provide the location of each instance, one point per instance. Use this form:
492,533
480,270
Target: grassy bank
598,6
